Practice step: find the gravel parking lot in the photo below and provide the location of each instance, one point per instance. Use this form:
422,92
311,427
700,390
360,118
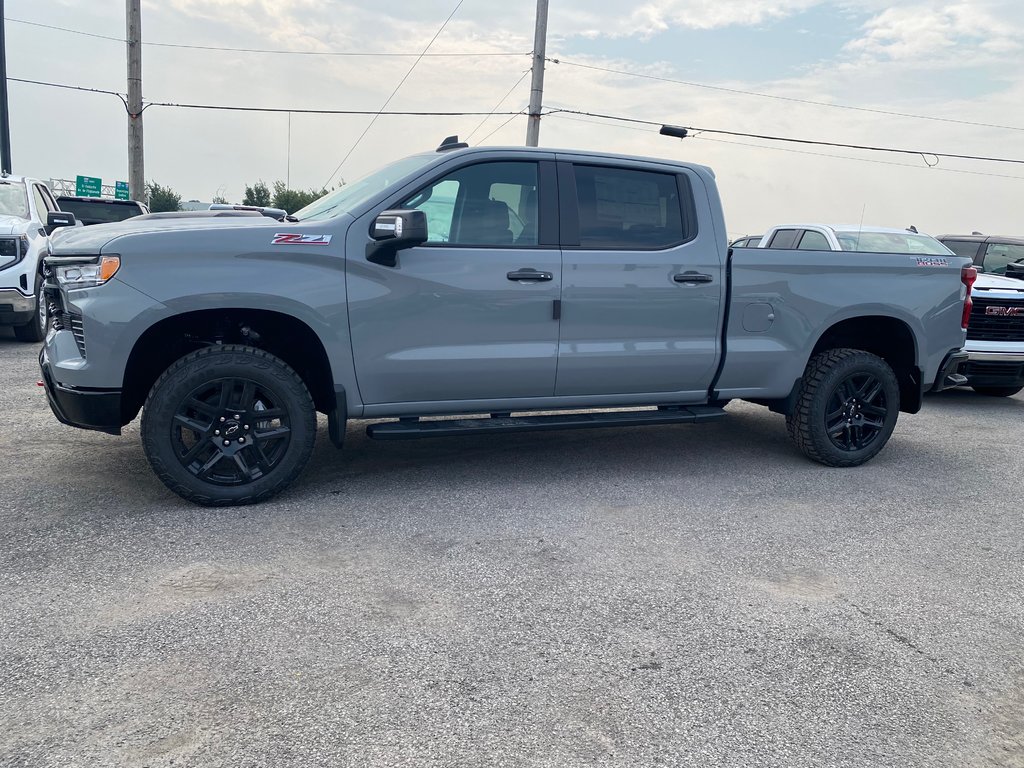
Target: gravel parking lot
689,595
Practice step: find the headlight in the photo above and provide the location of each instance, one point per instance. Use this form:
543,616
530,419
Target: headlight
87,275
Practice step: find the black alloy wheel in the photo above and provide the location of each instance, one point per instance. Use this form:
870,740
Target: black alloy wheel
846,407
230,431
857,412
228,424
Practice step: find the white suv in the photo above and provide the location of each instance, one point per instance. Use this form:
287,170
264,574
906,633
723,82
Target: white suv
25,205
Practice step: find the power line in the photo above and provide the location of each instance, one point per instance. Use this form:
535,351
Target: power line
796,151
517,114
500,102
742,92
266,50
229,108
924,154
397,87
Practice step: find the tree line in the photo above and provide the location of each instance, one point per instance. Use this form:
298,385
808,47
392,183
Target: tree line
163,198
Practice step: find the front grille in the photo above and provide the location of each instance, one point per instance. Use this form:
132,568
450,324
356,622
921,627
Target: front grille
77,328
68,321
985,327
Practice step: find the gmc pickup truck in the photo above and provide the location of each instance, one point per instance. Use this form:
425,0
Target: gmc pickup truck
513,288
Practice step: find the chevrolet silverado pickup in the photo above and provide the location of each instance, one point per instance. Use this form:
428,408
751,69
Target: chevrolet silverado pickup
512,288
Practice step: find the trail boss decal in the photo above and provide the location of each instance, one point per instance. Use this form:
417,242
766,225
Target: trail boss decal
927,261
294,238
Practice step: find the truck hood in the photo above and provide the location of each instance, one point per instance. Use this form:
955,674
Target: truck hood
990,282
93,239
13,225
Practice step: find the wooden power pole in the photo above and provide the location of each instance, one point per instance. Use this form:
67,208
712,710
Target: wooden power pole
540,38
136,163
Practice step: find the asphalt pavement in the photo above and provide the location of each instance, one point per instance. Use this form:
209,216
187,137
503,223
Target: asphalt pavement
662,596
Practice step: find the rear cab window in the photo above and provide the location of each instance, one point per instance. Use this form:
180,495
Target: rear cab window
633,209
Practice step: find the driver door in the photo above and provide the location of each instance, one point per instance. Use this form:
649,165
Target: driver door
470,315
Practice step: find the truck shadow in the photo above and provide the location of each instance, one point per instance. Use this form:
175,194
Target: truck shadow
968,397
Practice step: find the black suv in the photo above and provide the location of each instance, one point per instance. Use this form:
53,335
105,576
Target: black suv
990,253
100,210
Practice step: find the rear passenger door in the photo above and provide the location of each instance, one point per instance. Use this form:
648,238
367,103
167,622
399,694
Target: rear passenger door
642,286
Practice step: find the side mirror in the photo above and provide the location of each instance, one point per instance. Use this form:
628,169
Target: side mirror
393,231
58,219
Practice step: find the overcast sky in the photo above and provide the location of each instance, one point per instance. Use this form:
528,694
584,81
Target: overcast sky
959,61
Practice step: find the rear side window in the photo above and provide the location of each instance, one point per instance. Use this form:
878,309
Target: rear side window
633,210
784,238
813,241
962,247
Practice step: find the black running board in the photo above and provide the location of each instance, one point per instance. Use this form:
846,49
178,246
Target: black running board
412,429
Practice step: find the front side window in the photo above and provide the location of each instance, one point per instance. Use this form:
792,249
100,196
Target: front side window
631,209
487,204
41,204
998,255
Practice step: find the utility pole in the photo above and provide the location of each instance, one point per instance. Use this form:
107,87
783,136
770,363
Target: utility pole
540,39
5,115
136,165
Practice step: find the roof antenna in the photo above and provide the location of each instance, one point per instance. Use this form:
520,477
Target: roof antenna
861,227
912,228
452,142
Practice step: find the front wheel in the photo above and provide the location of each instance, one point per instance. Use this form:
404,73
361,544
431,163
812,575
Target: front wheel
228,425
997,391
35,329
846,408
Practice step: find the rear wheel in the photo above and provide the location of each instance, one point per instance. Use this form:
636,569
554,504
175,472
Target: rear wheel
997,391
846,408
35,329
228,425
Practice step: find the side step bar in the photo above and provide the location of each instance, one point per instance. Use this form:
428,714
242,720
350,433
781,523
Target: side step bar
412,429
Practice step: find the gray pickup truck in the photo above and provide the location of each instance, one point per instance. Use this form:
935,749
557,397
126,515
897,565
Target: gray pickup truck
519,289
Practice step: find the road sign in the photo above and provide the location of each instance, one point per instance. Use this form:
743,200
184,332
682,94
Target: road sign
88,186
121,190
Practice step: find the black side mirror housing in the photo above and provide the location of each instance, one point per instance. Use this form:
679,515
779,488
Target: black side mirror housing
393,231
58,219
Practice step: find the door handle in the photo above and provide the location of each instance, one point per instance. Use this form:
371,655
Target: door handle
692,277
530,274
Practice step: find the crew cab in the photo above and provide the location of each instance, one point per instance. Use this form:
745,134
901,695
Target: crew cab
851,237
546,289
27,212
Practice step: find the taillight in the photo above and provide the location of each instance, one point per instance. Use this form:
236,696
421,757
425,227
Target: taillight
967,276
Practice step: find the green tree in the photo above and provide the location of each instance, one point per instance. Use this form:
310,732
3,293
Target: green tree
257,194
219,198
292,200
162,198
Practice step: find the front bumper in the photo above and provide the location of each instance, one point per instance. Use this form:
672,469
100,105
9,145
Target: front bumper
99,410
950,372
994,369
15,307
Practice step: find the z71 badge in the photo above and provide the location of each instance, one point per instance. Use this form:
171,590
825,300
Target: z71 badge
294,238
928,261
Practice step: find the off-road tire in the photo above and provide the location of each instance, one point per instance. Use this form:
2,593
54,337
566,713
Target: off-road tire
212,366
997,391
34,330
826,375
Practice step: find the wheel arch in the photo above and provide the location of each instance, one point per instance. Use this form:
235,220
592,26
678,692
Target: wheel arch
281,334
888,337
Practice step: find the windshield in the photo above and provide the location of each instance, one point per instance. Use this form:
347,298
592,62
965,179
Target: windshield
353,195
13,199
891,242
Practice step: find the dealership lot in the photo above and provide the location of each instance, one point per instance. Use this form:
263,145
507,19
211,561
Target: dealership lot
665,596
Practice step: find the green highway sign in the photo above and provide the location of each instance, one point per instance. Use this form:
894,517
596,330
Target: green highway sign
121,190
88,186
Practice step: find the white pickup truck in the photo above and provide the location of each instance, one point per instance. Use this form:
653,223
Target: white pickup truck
27,212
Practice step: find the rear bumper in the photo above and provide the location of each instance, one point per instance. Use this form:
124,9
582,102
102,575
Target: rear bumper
99,410
950,374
